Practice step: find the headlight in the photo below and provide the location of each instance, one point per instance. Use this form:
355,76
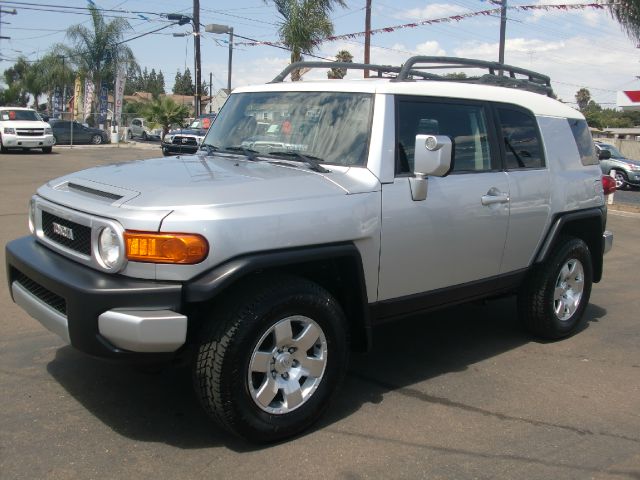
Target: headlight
109,251
199,140
10,131
48,131
32,216
168,138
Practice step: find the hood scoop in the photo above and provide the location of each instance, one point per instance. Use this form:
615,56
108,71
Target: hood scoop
96,191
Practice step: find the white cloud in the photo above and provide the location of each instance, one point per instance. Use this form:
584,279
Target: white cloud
435,10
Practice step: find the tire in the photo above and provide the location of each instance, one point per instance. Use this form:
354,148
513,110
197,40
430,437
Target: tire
271,357
47,149
621,180
3,149
144,136
96,139
129,135
552,301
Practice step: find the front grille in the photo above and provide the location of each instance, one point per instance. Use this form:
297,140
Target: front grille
31,132
187,141
81,241
54,301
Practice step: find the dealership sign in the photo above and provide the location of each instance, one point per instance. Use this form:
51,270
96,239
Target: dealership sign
629,99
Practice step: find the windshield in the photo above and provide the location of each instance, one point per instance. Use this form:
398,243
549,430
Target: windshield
332,127
19,115
615,153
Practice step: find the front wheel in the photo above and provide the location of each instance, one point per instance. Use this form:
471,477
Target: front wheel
144,136
96,139
552,301
47,149
621,180
271,358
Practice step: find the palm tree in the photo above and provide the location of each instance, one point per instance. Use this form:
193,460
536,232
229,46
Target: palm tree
165,112
339,73
304,24
98,52
627,12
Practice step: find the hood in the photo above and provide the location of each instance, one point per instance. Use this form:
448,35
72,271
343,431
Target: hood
188,131
171,183
25,124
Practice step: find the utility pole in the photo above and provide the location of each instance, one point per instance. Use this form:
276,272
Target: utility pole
367,36
9,12
503,28
196,41
210,90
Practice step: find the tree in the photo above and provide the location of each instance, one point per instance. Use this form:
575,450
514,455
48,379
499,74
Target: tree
183,84
15,78
583,96
627,13
304,24
164,111
98,52
338,73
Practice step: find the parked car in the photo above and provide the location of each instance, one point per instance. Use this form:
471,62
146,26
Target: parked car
66,131
186,140
262,270
140,128
23,128
627,170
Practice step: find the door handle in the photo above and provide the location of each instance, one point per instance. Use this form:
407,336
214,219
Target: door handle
494,196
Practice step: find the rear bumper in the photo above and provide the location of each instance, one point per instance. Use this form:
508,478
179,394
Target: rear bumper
100,314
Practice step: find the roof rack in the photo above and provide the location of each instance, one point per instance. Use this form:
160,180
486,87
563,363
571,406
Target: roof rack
498,74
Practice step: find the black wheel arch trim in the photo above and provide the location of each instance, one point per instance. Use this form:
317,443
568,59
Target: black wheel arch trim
214,282
596,244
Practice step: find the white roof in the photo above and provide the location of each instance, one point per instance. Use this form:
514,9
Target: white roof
537,103
16,108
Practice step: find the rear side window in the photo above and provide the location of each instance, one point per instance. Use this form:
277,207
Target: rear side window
522,145
584,142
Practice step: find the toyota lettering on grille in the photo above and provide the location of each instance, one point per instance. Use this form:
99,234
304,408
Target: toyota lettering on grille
63,231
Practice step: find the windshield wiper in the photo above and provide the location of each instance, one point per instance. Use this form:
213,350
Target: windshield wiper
311,161
250,154
209,148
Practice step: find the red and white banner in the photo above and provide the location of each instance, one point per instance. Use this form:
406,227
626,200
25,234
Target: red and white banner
452,18
121,78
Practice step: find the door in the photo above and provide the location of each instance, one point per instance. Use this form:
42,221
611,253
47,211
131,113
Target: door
457,234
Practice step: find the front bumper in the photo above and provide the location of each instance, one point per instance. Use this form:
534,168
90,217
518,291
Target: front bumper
100,314
17,141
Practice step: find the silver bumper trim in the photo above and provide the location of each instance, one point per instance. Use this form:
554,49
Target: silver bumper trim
607,237
47,316
144,330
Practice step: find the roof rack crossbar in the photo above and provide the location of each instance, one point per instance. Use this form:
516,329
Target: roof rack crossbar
456,62
380,69
498,74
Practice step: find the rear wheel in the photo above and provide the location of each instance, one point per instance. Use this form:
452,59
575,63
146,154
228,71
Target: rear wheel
552,301
271,358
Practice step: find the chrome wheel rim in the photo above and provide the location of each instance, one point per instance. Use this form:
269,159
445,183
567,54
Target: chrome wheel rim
568,289
287,365
619,180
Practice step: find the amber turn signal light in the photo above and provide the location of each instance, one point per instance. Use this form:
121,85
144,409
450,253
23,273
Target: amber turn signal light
180,248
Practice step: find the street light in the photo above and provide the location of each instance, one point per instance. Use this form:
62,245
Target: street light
215,28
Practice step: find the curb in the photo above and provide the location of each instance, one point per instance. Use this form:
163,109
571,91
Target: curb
624,207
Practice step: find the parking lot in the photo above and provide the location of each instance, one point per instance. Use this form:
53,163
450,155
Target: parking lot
462,393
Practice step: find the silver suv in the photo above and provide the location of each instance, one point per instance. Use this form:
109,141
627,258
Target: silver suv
313,212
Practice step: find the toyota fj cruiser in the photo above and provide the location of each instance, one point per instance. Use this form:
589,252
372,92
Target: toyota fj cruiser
266,257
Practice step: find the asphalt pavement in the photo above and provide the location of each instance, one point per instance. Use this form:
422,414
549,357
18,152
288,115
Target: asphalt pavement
460,394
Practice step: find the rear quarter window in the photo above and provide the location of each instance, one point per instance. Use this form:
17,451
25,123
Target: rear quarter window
584,142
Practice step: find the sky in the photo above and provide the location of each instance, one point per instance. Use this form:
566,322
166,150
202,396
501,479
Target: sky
576,48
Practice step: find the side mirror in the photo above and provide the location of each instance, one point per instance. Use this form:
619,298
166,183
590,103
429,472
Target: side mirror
604,154
433,155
